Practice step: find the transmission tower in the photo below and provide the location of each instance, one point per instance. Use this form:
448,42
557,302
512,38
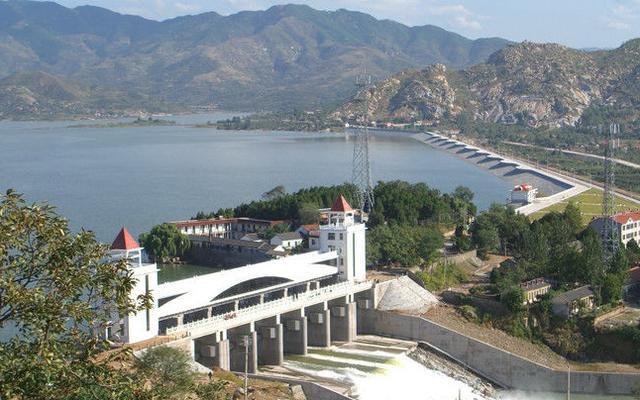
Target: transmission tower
361,173
610,239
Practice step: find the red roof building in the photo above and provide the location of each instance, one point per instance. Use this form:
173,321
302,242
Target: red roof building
341,205
124,241
626,217
627,224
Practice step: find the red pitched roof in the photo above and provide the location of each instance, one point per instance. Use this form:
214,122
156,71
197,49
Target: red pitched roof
124,241
341,205
623,218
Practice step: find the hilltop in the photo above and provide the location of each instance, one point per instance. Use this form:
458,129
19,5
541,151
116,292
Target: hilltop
539,85
284,57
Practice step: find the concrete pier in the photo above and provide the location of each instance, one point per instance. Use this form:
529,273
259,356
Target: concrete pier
238,351
270,341
295,332
319,325
343,319
213,351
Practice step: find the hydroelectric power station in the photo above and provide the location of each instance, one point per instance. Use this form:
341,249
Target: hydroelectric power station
266,309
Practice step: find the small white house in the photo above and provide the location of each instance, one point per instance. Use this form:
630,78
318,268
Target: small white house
524,193
287,240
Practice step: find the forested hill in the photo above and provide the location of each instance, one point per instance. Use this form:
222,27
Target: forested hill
546,85
287,56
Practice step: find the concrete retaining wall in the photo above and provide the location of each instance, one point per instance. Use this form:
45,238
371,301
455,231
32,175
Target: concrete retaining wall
504,368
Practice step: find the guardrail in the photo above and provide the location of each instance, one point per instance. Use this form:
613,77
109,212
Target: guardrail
258,311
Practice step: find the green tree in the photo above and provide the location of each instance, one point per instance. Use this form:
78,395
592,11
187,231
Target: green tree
513,299
612,288
308,213
486,239
57,290
573,216
633,251
430,243
164,240
271,231
168,370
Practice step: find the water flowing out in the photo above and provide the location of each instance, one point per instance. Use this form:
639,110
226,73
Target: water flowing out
376,369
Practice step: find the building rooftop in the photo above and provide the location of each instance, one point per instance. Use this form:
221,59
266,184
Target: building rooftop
218,221
525,187
341,205
624,217
535,284
124,241
289,235
572,295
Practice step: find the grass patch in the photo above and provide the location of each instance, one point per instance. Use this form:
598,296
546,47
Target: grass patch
442,276
590,204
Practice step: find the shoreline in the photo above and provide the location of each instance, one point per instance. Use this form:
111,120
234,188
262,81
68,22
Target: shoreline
501,166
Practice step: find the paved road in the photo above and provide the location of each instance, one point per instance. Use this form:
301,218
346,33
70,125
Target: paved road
577,153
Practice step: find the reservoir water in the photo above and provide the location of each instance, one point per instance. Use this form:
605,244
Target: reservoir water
104,178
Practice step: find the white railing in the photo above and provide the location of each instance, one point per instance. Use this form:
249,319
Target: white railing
270,308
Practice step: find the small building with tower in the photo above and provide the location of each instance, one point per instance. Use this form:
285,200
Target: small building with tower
523,194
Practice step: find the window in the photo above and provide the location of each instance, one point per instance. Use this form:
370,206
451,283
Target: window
332,236
341,236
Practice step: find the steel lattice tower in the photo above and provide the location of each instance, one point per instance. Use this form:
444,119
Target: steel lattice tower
361,173
610,239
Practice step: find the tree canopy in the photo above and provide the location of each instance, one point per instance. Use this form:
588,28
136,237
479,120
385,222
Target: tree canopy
57,289
556,246
164,240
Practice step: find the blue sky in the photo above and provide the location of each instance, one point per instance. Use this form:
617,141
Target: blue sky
576,23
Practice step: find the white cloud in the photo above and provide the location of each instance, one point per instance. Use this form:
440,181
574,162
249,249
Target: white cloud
623,15
457,15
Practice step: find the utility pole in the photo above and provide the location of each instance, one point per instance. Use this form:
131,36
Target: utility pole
245,342
569,383
361,173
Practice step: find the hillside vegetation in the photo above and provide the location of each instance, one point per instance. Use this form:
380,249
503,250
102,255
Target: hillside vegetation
89,58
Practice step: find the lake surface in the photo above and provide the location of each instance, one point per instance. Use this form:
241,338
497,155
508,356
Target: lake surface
105,178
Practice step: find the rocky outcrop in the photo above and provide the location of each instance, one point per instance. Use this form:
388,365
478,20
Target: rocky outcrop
535,84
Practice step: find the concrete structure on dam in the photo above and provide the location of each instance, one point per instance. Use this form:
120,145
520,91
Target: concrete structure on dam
259,311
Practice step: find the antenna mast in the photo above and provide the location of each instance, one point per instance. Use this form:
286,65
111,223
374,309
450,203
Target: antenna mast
361,173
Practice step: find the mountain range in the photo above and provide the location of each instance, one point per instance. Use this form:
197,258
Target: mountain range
57,60
540,85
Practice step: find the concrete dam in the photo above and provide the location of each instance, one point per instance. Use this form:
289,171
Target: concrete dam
512,171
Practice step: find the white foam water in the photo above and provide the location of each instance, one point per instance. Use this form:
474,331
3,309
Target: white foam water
380,375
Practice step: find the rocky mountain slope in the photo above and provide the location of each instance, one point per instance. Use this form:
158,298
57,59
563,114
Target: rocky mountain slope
535,84
287,56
